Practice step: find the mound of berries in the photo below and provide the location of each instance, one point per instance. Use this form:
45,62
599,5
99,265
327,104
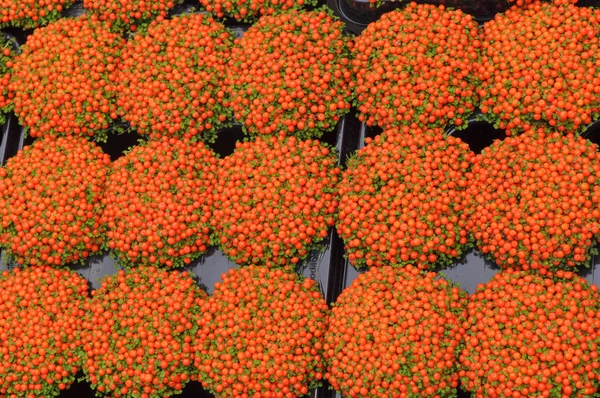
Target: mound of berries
261,335
275,199
129,14
415,67
290,72
158,203
138,331
540,68
50,201
402,200
396,333
526,2
248,11
31,14
535,200
7,46
41,312
171,78
64,80
532,336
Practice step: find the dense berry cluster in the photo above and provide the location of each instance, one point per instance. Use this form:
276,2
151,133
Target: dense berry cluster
396,333
532,336
158,203
50,201
41,312
170,82
416,67
138,332
275,199
261,335
402,200
244,10
535,200
540,68
290,72
64,79
7,53
526,2
32,13
129,14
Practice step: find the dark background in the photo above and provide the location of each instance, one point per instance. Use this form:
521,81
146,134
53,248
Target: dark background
328,267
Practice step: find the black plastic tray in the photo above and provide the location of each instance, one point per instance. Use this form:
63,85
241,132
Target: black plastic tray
322,266
329,267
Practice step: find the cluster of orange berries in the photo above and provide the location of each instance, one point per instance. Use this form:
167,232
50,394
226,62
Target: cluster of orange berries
131,14
186,98
416,67
557,2
158,203
261,334
291,72
402,200
7,53
51,201
31,14
41,312
137,333
275,199
532,336
540,67
396,332
63,80
534,200
249,11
